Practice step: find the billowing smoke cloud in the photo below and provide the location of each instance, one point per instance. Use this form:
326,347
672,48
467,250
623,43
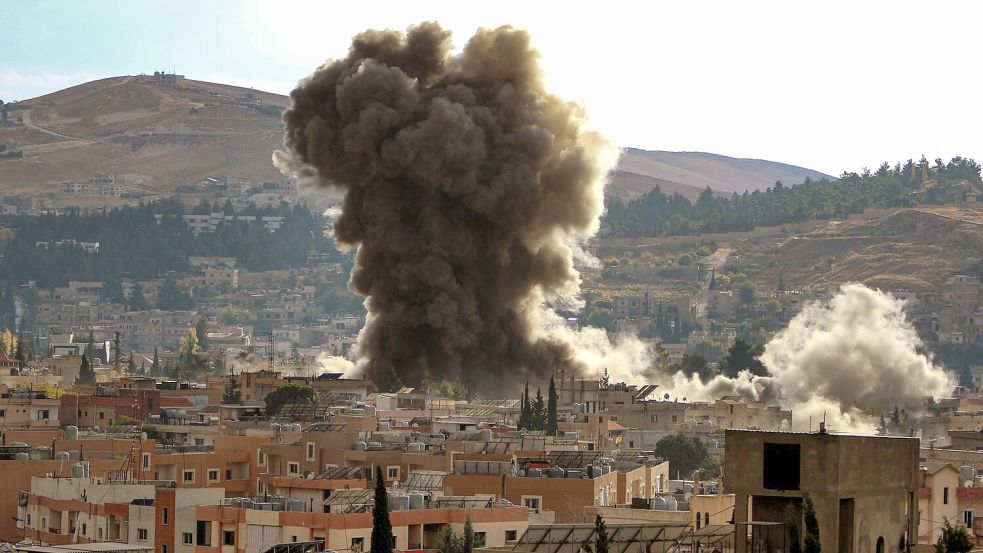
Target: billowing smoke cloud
839,360
466,189
858,351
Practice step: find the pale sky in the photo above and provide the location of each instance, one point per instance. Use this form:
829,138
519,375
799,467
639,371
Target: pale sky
831,86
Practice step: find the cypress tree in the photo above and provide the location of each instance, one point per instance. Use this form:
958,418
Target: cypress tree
525,411
382,529
812,544
86,374
468,541
538,408
551,422
155,365
601,538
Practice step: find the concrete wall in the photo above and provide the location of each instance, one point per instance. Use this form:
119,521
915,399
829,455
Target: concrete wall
878,474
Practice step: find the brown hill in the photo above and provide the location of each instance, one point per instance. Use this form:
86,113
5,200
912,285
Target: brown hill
912,249
628,186
163,133
700,169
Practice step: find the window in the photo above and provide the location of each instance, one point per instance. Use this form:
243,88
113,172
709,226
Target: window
199,441
99,532
228,474
142,534
204,531
261,458
479,539
164,518
102,415
357,545
213,475
189,476
228,537
310,451
655,418
293,468
3,413
945,496
532,502
392,472
968,518
163,548
675,418
511,535
84,533
146,461
187,538
43,415
781,466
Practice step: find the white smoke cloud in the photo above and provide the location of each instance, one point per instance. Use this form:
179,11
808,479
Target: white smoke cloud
836,361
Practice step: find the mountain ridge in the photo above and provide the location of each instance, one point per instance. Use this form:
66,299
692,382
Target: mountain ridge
165,131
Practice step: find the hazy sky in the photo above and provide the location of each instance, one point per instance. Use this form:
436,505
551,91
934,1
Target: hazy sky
827,85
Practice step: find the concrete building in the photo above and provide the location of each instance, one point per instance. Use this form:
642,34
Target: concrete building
863,488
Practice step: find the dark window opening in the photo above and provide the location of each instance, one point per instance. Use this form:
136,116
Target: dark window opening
781,466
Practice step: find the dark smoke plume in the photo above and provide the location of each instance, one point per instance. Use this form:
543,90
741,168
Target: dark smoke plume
466,187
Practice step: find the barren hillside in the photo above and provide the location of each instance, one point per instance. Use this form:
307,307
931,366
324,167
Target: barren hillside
726,174
911,249
174,133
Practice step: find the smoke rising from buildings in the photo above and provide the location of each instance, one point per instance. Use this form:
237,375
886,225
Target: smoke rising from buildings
467,188
840,360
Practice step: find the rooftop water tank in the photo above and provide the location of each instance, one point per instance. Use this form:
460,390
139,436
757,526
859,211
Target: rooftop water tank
360,446
555,473
71,432
41,453
671,503
375,446
399,502
296,505
414,446
658,503
383,426
484,435
416,500
17,444
74,454
22,456
534,473
78,470
966,473
61,456
274,426
575,474
370,410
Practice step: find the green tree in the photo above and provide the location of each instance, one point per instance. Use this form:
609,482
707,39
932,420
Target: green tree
747,294
695,363
90,347
117,351
232,395
525,410
155,364
86,374
552,427
538,417
448,541
710,468
201,330
170,298
600,535
137,301
684,453
792,533
382,529
131,365
812,544
19,353
743,355
953,540
387,380
468,537
291,393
